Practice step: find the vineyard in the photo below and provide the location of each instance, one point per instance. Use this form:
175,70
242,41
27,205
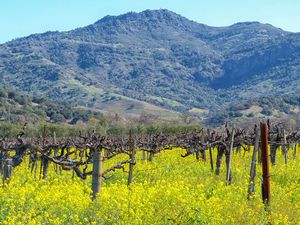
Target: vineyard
205,176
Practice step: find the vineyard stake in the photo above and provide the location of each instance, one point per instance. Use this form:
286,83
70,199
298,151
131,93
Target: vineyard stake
55,151
265,164
132,155
211,159
96,174
7,170
202,150
228,176
44,136
54,138
253,163
259,154
45,167
274,145
210,153
219,159
44,161
41,169
285,149
151,155
197,154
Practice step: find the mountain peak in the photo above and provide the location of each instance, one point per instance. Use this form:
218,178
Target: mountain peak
157,14
153,21
256,25
160,13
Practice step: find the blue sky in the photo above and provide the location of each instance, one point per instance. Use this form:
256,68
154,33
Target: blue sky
23,17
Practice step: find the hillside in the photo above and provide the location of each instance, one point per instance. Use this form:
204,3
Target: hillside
17,108
157,61
278,109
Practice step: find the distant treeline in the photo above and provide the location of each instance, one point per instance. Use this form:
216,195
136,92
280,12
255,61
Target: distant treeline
8,130
284,106
18,109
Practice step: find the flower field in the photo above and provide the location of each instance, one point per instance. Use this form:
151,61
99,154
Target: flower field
169,190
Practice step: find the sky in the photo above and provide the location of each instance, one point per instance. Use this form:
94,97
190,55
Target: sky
20,18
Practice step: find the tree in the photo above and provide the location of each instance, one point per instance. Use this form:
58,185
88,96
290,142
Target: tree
57,118
3,93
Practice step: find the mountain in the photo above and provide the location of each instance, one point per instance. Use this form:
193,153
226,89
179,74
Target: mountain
155,61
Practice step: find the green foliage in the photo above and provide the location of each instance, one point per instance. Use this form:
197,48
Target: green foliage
20,109
8,130
285,105
3,93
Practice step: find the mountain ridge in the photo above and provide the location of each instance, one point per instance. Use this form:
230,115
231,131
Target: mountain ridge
155,56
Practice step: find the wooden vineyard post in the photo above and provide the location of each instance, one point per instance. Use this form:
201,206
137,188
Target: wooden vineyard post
197,155
253,163
265,164
54,138
219,159
8,116
132,158
97,172
44,136
1,163
203,150
211,159
259,154
228,158
151,155
7,170
285,149
274,145
143,155
44,161
55,151
273,149
295,151
210,154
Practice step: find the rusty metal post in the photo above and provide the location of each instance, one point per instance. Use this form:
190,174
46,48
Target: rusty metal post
265,164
